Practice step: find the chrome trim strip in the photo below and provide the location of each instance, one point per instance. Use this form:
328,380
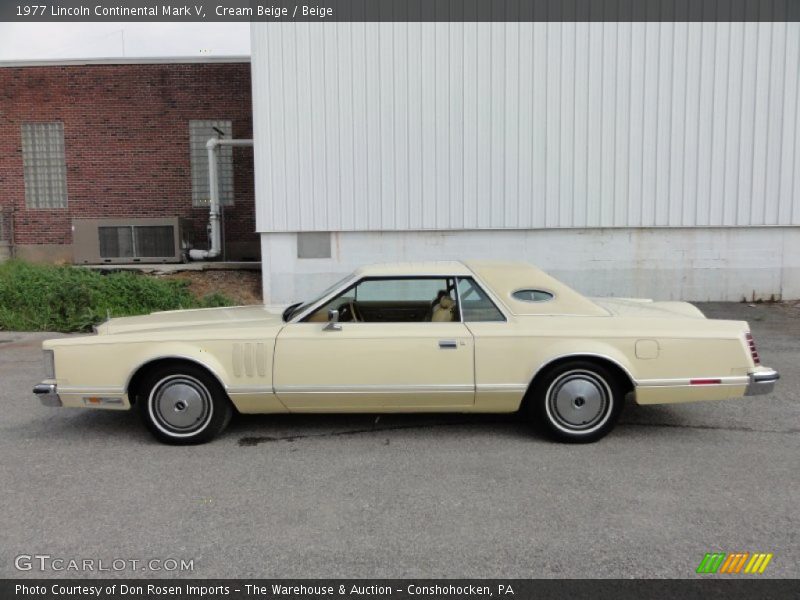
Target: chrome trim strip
374,389
686,381
501,387
250,390
690,385
99,391
338,389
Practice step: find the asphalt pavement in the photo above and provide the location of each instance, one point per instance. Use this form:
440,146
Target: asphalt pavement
405,496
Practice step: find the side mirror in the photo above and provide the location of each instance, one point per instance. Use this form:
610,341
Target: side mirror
333,321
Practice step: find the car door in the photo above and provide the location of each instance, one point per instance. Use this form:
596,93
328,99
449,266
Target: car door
381,363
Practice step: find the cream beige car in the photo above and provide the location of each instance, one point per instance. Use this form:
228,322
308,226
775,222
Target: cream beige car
420,337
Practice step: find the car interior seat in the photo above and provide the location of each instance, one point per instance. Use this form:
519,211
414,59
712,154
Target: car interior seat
444,310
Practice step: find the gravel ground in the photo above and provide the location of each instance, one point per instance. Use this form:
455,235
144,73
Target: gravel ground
243,287
409,496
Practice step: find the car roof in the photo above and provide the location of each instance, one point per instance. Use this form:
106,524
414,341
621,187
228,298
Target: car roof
406,269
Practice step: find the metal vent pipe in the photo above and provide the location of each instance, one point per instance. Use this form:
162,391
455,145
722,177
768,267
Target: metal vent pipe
213,203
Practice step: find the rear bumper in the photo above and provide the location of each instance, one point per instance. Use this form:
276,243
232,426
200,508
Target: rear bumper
47,394
762,382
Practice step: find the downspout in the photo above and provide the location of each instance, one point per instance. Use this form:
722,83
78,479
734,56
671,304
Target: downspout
213,203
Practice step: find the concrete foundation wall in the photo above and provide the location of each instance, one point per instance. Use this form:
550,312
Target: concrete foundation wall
62,253
44,253
664,264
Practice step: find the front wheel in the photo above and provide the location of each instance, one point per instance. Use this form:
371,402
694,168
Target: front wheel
183,404
577,402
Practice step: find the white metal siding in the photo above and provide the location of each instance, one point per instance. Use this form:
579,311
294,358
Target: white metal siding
408,126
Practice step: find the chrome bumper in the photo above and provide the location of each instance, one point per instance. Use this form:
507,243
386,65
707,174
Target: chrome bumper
762,382
46,392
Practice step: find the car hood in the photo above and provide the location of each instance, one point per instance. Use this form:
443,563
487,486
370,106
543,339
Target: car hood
643,307
196,318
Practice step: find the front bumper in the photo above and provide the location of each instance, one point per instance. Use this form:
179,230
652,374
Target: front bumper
47,394
762,382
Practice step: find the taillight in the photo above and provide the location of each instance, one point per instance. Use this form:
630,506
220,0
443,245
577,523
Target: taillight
751,343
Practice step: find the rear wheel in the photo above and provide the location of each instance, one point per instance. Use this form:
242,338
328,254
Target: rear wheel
577,401
183,404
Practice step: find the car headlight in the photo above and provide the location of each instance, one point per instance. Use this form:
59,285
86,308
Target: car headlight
49,364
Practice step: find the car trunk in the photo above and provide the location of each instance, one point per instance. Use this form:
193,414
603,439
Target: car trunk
642,307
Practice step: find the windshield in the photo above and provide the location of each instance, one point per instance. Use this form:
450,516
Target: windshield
299,307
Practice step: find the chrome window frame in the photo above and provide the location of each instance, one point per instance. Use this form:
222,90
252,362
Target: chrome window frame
356,280
478,284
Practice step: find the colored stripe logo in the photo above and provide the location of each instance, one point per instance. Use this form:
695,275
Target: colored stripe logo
734,563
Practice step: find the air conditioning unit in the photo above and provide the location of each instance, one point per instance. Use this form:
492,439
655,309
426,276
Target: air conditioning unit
146,240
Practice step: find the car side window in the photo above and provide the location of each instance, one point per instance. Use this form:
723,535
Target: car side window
395,300
398,290
476,304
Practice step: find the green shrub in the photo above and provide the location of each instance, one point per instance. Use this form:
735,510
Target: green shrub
37,297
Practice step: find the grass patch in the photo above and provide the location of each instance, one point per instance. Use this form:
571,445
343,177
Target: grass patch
36,297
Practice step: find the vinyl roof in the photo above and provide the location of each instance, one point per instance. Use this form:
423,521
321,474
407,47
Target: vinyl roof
502,278
505,278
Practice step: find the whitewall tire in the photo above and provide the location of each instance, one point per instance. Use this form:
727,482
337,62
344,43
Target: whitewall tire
183,404
576,401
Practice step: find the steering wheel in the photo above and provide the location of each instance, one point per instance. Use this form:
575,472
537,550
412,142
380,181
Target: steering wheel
348,313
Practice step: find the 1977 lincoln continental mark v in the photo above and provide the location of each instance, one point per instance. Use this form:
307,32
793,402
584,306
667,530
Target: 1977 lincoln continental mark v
418,337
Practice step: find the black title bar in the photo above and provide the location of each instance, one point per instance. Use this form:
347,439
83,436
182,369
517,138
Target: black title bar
705,587
401,10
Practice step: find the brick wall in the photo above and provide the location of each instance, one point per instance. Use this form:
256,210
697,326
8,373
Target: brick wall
126,138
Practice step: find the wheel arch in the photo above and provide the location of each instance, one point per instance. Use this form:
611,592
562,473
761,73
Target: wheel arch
621,372
141,370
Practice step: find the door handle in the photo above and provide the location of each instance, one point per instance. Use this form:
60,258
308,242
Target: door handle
448,344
